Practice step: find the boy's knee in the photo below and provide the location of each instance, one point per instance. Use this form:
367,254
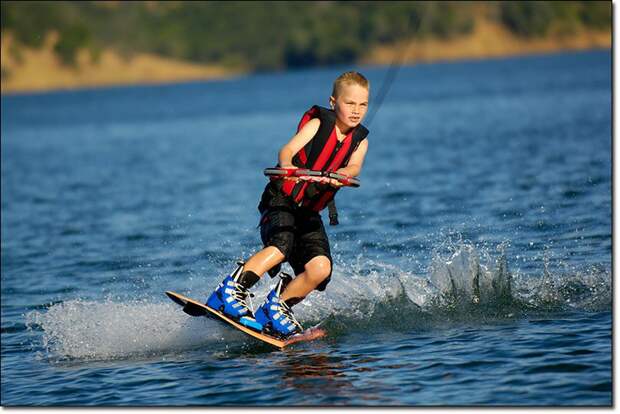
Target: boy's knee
284,242
319,269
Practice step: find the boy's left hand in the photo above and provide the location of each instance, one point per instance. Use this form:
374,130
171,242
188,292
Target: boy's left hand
325,180
334,183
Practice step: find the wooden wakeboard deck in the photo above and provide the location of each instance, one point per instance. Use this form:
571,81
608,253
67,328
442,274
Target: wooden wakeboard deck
194,308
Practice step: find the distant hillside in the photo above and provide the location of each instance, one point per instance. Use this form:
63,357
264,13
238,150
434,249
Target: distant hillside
488,39
41,69
66,44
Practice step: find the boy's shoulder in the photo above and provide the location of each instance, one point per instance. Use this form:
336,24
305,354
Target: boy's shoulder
319,112
313,124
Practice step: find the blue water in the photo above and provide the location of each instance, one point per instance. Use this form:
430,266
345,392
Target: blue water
472,267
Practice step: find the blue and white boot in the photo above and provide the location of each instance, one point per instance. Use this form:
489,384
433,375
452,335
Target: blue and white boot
230,297
275,315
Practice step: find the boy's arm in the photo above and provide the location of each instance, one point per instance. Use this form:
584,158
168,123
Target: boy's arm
354,167
288,151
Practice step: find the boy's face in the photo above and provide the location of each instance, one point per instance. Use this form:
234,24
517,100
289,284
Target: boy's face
351,104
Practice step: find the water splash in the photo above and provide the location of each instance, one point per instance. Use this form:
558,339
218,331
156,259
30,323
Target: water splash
80,329
462,279
462,283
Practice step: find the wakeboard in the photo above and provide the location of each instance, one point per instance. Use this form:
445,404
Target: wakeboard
194,308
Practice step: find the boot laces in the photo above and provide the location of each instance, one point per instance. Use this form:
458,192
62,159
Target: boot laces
241,294
288,313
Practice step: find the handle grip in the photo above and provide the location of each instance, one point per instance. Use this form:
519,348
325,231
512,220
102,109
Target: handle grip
277,173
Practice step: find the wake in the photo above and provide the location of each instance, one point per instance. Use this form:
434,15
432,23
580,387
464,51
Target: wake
461,285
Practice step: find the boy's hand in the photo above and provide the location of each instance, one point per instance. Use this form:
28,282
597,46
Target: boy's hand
334,183
325,180
289,167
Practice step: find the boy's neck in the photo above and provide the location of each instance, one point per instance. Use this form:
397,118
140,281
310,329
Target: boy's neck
342,129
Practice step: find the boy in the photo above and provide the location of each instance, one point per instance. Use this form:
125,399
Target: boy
290,225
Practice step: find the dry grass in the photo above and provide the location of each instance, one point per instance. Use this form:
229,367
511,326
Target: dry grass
488,39
39,70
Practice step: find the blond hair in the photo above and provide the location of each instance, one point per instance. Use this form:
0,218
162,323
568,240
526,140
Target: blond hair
349,78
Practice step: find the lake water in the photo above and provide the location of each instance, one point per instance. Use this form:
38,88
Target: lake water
472,266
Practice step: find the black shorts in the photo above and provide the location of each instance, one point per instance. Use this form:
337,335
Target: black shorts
296,231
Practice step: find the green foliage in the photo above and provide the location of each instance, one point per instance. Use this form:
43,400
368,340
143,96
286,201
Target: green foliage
451,21
273,35
527,18
72,38
30,20
535,18
596,14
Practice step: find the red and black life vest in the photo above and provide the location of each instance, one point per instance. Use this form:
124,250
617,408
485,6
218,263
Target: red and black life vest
324,153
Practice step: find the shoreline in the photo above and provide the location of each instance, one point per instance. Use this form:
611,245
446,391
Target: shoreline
40,70
487,41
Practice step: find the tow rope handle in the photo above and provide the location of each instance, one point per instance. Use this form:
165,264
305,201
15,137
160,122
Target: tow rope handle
308,175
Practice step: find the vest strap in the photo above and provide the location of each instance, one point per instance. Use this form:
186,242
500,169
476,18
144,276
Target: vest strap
333,212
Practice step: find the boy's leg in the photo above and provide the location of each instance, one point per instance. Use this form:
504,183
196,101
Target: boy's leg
231,294
277,228
316,271
276,314
307,250
264,260
311,261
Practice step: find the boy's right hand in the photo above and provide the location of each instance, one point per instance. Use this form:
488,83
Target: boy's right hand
289,167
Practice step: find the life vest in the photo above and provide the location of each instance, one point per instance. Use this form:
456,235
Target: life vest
322,153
